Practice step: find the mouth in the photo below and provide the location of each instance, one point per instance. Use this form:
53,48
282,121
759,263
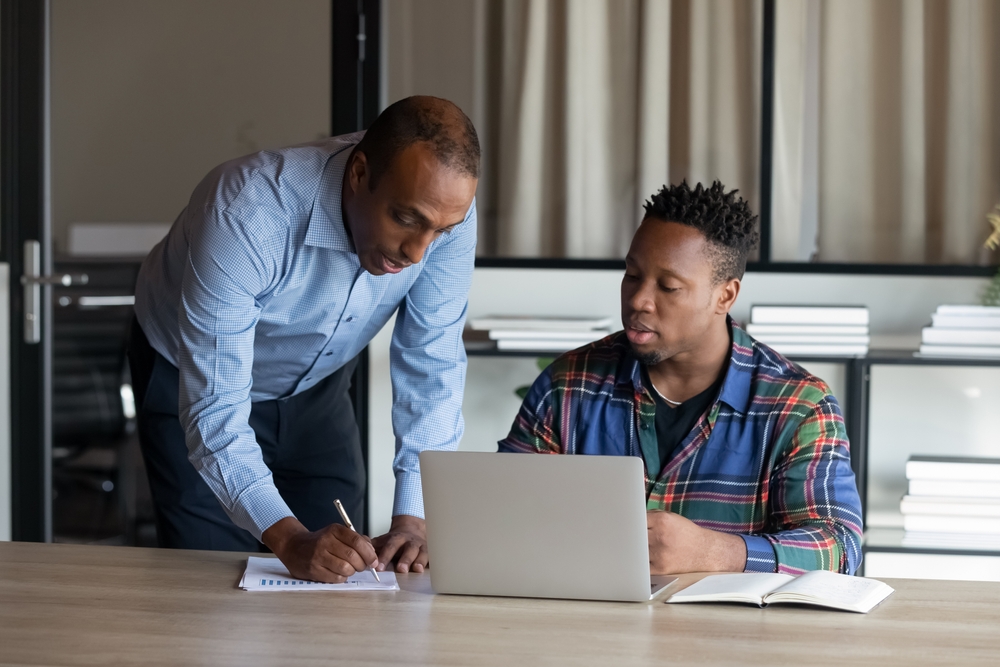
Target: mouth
389,266
638,334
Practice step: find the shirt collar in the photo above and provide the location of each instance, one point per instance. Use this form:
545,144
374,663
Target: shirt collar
735,388
326,222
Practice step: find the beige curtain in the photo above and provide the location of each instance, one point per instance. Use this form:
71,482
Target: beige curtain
887,130
600,102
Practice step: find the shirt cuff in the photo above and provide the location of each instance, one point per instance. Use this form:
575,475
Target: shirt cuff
409,498
260,508
760,554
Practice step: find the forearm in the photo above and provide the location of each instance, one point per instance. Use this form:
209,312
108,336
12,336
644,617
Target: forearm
724,552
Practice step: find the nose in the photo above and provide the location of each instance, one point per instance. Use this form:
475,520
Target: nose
641,298
416,245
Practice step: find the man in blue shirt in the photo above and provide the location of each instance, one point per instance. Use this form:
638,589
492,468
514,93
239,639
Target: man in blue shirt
249,316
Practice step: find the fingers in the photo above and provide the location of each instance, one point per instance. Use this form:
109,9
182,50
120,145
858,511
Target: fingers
391,544
422,561
351,552
409,554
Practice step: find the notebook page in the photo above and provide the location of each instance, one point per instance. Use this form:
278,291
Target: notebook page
745,586
269,574
834,589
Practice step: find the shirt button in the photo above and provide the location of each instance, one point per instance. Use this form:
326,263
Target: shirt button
328,354
307,379
349,319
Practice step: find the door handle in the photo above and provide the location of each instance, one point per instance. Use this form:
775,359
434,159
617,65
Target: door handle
32,282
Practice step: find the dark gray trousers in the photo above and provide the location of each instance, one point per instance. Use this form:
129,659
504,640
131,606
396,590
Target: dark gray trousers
310,442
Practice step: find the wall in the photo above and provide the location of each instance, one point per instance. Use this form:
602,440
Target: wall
900,306
149,96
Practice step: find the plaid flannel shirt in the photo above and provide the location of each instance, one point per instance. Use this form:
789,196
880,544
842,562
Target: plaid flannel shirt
769,461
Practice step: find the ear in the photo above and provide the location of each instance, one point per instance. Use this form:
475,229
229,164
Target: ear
726,296
357,171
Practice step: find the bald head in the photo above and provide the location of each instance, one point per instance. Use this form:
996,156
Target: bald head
438,123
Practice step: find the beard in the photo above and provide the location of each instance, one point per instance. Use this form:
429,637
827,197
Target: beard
650,358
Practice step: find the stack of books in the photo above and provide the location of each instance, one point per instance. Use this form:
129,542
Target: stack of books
962,331
541,334
952,502
838,331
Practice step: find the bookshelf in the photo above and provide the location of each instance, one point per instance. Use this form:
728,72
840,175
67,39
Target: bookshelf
883,545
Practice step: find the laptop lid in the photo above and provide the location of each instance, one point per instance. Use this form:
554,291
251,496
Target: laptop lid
527,525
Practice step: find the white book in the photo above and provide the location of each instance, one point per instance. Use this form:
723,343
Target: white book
778,339
856,315
965,310
952,524
967,468
945,506
540,345
965,321
951,488
803,350
270,574
950,540
938,336
966,351
535,334
819,588
757,330
538,322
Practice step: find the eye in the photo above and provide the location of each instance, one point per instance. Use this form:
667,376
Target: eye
405,222
665,288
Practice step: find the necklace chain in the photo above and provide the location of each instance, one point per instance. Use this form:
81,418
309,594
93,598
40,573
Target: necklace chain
672,403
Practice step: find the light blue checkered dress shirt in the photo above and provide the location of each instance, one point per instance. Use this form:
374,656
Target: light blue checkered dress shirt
256,294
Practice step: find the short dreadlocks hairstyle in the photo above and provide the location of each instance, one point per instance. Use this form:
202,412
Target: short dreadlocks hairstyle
726,221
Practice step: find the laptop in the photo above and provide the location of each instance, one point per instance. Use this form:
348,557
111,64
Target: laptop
528,525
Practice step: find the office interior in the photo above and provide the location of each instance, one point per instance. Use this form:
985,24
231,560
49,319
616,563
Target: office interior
866,135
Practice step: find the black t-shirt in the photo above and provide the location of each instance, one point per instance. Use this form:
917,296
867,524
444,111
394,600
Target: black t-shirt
673,424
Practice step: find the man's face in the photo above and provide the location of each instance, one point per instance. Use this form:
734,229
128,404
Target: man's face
669,296
416,200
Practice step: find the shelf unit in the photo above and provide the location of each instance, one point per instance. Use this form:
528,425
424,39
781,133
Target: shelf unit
856,404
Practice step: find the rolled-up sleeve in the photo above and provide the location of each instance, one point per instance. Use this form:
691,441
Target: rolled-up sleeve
428,363
815,510
234,256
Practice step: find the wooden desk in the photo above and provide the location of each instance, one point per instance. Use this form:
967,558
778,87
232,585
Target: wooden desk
77,605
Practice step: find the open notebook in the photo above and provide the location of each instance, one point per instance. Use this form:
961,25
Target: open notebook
269,574
823,589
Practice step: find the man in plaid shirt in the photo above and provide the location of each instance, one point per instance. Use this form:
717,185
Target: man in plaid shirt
747,460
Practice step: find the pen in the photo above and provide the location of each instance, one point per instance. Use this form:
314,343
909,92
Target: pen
347,522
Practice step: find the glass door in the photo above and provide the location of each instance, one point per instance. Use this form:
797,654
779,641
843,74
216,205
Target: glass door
113,112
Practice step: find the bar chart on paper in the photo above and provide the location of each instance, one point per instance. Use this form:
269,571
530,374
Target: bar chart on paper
269,574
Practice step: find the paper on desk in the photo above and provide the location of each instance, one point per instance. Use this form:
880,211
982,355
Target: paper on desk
269,574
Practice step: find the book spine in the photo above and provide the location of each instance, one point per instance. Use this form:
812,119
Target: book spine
758,330
540,345
948,507
983,337
990,311
970,472
778,339
972,525
808,315
927,487
978,352
964,322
